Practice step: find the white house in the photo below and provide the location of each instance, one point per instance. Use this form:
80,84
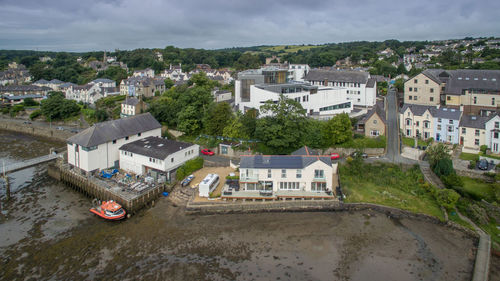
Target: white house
492,127
301,173
155,155
131,106
148,72
361,88
319,102
103,82
97,147
298,71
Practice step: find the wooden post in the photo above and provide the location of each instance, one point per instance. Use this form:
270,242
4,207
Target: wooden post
7,187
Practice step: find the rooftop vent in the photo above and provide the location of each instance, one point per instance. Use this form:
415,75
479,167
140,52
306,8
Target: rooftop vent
445,109
473,117
160,145
452,110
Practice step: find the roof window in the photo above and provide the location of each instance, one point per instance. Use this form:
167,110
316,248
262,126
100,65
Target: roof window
466,78
476,78
459,78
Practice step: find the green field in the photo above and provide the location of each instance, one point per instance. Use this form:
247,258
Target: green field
389,185
365,142
411,142
480,189
284,49
469,156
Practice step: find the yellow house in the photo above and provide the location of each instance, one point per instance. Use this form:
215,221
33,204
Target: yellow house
472,132
416,120
374,123
424,88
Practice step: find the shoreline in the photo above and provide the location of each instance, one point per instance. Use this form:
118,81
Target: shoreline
34,129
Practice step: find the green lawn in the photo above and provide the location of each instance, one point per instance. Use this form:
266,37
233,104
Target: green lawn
480,189
469,156
411,142
452,216
389,185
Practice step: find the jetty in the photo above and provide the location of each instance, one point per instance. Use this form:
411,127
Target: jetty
14,167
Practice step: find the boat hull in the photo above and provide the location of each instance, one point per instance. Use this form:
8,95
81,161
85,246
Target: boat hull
104,216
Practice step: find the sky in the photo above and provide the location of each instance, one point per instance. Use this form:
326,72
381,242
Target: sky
87,25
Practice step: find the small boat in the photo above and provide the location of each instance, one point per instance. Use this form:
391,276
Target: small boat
109,210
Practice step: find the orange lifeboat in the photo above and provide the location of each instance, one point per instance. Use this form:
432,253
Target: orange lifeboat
109,210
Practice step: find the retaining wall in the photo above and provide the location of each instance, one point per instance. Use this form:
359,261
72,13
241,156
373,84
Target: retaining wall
30,129
349,151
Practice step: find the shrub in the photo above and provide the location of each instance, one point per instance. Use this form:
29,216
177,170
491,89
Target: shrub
443,167
490,174
483,148
189,167
35,114
472,164
232,178
452,180
447,198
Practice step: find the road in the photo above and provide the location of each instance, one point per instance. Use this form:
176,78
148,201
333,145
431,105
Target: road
393,149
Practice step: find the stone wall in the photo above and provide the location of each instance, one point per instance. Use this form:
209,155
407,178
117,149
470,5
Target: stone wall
34,130
349,151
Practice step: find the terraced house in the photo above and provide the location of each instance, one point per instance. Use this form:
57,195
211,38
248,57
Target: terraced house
476,131
424,89
417,121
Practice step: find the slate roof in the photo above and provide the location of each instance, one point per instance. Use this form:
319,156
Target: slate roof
370,83
446,113
463,79
379,109
21,97
41,81
337,76
477,122
115,129
22,88
417,109
155,147
55,81
281,161
131,101
305,150
433,74
103,80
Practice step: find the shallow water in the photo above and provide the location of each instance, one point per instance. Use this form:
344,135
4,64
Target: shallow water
47,232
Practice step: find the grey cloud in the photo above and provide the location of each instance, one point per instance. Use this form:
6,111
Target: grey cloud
127,24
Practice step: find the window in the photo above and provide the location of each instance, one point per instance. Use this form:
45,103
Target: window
450,122
408,122
410,97
432,90
172,160
375,121
318,186
477,133
408,133
497,125
289,185
439,120
319,174
426,135
450,138
126,138
114,141
374,133
414,97
427,124
139,134
492,101
411,89
475,100
416,81
450,129
448,98
415,90
439,127
283,173
426,81
431,99
417,123
299,174
464,130
495,135
476,142
269,174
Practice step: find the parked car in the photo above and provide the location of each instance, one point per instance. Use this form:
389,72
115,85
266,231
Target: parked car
26,122
74,130
362,154
207,151
60,128
483,164
187,180
334,156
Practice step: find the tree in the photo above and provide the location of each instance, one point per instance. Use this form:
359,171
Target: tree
447,198
165,110
437,152
56,107
282,130
399,84
189,120
337,130
249,122
217,118
29,102
235,129
169,83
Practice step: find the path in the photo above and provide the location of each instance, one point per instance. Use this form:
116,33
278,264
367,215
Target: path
28,163
392,151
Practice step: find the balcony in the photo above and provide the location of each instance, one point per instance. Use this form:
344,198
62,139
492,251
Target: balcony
249,179
319,179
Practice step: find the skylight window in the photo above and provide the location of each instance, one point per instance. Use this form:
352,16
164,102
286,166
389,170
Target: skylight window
493,79
476,79
459,78
466,78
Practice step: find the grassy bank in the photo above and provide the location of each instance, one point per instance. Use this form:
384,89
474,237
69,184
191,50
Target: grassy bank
389,185
411,142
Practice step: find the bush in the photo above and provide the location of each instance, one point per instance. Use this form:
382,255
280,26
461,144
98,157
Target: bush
452,180
472,164
35,114
447,198
483,148
443,167
490,174
232,178
189,167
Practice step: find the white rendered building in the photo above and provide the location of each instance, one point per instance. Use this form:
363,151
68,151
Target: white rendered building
298,71
155,154
361,89
97,147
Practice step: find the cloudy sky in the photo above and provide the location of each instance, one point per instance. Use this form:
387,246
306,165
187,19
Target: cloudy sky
85,25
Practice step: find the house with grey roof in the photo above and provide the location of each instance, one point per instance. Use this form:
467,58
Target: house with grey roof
417,121
373,124
304,174
446,124
156,156
97,147
361,88
132,106
476,131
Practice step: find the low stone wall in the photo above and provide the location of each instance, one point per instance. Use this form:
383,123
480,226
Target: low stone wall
34,130
473,174
349,151
316,206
